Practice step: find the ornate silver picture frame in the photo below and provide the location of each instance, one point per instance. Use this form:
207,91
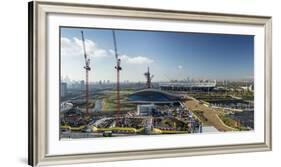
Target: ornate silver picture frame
47,147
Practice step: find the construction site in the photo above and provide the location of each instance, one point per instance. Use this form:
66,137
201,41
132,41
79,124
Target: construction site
117,108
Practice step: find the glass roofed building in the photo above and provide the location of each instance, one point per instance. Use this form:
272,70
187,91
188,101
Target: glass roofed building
154,96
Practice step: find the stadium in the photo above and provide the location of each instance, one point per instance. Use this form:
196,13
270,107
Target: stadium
188,85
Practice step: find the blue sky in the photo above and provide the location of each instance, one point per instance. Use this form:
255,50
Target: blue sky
170,55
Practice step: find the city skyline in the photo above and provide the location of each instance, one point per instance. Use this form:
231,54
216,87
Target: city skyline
70,81
170,55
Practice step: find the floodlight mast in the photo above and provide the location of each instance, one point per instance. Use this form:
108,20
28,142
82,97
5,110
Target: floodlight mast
118,69
87,69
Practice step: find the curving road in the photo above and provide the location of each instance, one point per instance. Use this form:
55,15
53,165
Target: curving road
210,114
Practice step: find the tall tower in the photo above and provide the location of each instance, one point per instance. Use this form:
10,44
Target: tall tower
148,77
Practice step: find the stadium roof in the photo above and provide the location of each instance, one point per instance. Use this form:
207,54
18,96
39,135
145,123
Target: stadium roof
153,96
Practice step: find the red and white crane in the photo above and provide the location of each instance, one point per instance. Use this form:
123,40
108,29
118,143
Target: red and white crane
118,69
87,69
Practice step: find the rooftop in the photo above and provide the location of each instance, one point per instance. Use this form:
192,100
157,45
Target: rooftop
153,96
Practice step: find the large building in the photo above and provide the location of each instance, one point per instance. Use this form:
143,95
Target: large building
63,89
153,96
145,109
188,85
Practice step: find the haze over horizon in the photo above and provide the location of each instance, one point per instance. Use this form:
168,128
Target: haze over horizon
169,55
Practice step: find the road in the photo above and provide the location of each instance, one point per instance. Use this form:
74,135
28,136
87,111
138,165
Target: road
209,113
79,135
98,105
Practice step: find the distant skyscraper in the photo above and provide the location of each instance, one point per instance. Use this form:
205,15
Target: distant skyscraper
63,89
82,85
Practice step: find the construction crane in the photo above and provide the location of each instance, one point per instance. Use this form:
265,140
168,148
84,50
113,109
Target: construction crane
87,69
148,77
118,69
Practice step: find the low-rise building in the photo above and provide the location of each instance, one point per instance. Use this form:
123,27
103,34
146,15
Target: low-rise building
145,109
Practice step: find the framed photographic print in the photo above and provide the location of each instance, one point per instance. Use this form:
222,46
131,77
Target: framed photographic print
110,83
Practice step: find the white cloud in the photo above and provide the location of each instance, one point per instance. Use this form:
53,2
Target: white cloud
73,47
112,52
180,67
136,60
